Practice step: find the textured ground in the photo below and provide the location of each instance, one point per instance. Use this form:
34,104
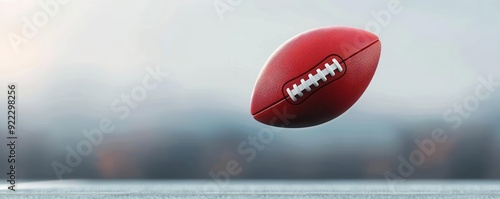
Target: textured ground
253,189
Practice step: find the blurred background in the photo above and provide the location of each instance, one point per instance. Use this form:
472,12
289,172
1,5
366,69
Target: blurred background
73,61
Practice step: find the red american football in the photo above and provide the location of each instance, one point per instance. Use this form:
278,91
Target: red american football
315,76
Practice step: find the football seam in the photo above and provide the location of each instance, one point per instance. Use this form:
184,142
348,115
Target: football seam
343,62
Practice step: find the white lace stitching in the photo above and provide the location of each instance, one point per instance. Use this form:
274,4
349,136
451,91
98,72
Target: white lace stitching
313,80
